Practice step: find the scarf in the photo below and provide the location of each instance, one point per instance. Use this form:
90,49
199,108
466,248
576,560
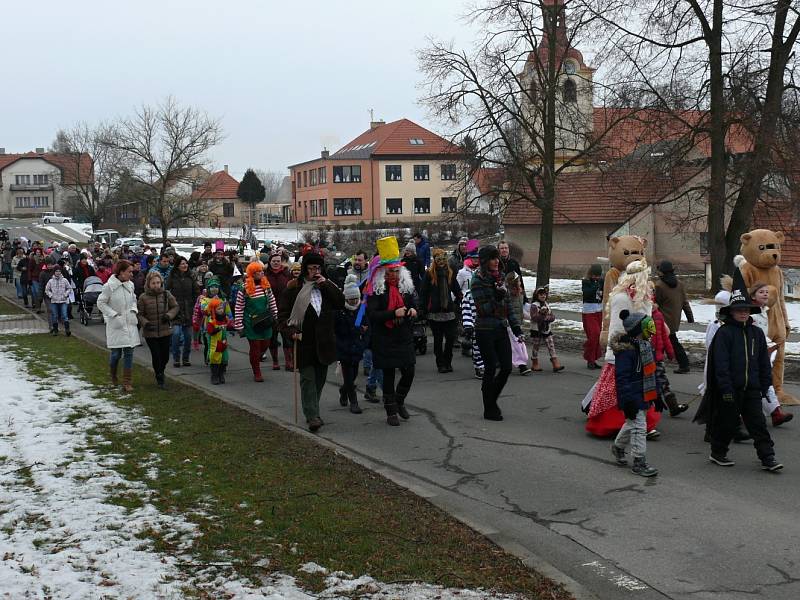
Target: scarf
443,281
395,301
300,305
648,370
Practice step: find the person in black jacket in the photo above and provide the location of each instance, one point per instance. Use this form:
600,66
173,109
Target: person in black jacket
183,286
414,265
739,376
436,301
509,264
350,343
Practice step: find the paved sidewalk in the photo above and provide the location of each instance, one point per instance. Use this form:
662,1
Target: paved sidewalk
541,487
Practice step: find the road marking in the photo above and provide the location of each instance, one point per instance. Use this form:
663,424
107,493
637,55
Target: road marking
619,579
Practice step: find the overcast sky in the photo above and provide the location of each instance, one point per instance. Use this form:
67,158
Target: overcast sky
285,77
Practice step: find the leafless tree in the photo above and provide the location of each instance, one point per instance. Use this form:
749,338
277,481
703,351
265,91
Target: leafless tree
93,169
271,180
520,101
168,146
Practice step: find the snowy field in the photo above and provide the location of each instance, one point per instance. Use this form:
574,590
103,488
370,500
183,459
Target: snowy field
62,537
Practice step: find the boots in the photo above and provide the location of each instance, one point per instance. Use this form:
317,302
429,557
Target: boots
160,381
274,352
67,332
672,403
535,365
557,366
353,398
779,417
214,374
370,395
391,411
524,370
257,374
288,357
112,369
127,380
491,412
54,329
640,467
222,369
400,400
342,396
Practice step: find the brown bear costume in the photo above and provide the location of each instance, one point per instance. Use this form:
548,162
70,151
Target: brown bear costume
622,250
759,262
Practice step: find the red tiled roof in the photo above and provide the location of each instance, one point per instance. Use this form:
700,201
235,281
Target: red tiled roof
394,139
780,216
73,171
219,186
489,180
627,128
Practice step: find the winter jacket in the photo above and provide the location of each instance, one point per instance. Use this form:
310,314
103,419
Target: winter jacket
82,272
350,340
430,299
593,293
628,372
318,345
424,252
541,318
223,270
456,261
392,347
34,268
661,344
58,290
163,271
278,281
157,310
23,268
416,269
740,360
492,304
184,288
117,302
671,299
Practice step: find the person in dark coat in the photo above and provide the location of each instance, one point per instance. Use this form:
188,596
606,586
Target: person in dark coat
391,308
350,343
279,277
307,314
423,249
438,299
184,288
739,375
671,299
414,265
223,269
509,264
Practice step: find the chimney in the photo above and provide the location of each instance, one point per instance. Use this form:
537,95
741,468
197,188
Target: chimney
226,168
324,154
376,124
40,151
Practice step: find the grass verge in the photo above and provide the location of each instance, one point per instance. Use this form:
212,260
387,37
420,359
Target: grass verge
258,491
9,308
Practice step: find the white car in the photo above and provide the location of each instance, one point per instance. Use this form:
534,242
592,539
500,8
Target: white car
52,217
129,241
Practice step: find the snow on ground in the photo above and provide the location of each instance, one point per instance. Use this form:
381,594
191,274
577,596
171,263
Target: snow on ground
61,536
82,228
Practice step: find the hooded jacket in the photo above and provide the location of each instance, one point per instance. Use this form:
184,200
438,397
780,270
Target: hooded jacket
739,359
117,302
671,299
628,371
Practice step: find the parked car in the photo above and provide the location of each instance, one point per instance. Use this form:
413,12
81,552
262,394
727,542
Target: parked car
53,217
130,241
108,236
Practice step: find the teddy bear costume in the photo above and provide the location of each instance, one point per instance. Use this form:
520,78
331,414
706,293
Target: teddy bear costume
759,262
622,250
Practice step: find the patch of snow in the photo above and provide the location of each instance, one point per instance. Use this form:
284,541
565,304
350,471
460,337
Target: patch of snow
313,568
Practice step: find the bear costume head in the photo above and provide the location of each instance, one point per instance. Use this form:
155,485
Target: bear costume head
624,249
762,247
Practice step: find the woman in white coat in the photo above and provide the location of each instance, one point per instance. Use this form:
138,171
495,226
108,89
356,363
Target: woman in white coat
117,302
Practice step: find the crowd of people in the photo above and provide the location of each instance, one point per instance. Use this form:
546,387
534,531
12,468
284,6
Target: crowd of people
371,314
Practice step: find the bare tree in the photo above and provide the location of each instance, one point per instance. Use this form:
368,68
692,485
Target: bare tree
521,102
168,146
271,180
93,167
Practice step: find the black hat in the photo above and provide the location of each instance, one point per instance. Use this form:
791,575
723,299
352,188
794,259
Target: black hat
487,253
665,266
596,270
739,300
311,258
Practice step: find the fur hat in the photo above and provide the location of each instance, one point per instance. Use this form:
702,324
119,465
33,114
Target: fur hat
312,258
665,266
596,270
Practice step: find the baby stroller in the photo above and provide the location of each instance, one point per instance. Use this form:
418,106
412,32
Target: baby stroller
92,286
420,336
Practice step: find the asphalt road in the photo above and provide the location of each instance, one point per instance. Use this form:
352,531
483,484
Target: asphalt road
30,228
536,483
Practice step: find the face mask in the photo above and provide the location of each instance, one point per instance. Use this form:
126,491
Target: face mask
648,328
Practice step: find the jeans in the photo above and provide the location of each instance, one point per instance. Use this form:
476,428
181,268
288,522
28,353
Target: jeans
680,353
36,299
159,352
312,381
634,434
22,290
178,332
58,310
495,350
375,378
444,336
725,421
127,357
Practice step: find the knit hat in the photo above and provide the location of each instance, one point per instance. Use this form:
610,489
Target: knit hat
462,240
411,248
723,298
351,290
472,248
596,270
632,322
665,266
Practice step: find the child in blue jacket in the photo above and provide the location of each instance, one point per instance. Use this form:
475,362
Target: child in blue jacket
350,343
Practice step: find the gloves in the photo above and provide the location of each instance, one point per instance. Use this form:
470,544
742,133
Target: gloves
630,410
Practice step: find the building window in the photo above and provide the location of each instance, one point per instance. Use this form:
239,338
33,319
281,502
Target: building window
449,204
323,175
322,207
570,91
394,173
313,177
23,201
448,172
394,206
422,173
299,180
313,208
346,206
227,209
305,178
350,174
22,179
416,142
41,179
41,201
422,206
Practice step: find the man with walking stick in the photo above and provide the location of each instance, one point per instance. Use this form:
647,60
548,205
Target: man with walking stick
306,314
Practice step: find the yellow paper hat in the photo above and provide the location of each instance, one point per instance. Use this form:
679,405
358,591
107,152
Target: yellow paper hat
388,249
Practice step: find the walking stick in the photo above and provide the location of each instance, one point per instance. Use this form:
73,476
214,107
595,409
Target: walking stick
294,377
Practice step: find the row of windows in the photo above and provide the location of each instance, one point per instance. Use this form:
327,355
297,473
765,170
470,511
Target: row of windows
352,174
422,206
37,179
35,202
319,208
